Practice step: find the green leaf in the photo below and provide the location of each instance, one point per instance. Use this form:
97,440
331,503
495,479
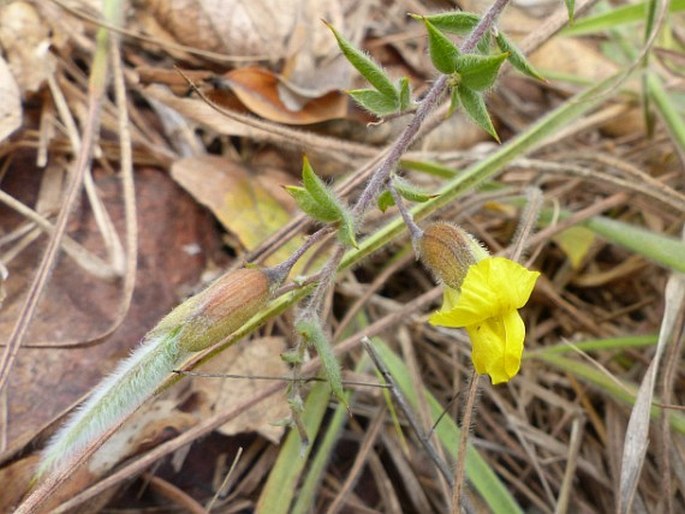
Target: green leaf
375,102
292,357
346,231
385,201
458,22
516,57
365,65
478,72
405,94
313,184
320,192
474,105
328,204
409,191
311,207
443,52
312,333
571,8
406,190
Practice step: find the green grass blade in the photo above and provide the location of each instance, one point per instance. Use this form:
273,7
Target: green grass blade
280,488
307,494
671,115
620,390
662,249
614,343
616,17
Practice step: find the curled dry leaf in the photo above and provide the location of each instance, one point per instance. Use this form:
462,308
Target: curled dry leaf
286,32
313,64
25,39
261,91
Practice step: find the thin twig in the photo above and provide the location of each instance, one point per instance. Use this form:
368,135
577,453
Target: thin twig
404,406
202,374
223,488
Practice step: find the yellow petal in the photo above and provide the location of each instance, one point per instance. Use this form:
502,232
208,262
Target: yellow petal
444,318
518,281
498,346
492,287
450,298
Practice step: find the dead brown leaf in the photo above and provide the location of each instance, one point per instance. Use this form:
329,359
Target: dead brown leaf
574,57
174,236
15,480
251,205
25,38
262,92
240,27
259,357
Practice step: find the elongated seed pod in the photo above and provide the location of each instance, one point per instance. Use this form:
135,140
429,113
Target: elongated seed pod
224,307
194,325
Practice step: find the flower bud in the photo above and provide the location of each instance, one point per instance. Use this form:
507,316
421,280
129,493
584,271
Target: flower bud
219,310
448,251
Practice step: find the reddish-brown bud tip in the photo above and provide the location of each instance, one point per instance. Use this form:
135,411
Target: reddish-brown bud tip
448,251
224,307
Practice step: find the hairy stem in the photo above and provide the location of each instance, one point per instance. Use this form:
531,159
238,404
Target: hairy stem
466,421
429,102
406,138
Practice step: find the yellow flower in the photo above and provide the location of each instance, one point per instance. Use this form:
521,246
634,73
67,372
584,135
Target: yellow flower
487,306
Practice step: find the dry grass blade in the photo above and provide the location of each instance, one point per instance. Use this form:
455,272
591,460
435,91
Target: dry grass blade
87,260
637,434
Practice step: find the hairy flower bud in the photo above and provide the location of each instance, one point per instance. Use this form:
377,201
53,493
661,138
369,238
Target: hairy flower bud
448,251
197,323
220,309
